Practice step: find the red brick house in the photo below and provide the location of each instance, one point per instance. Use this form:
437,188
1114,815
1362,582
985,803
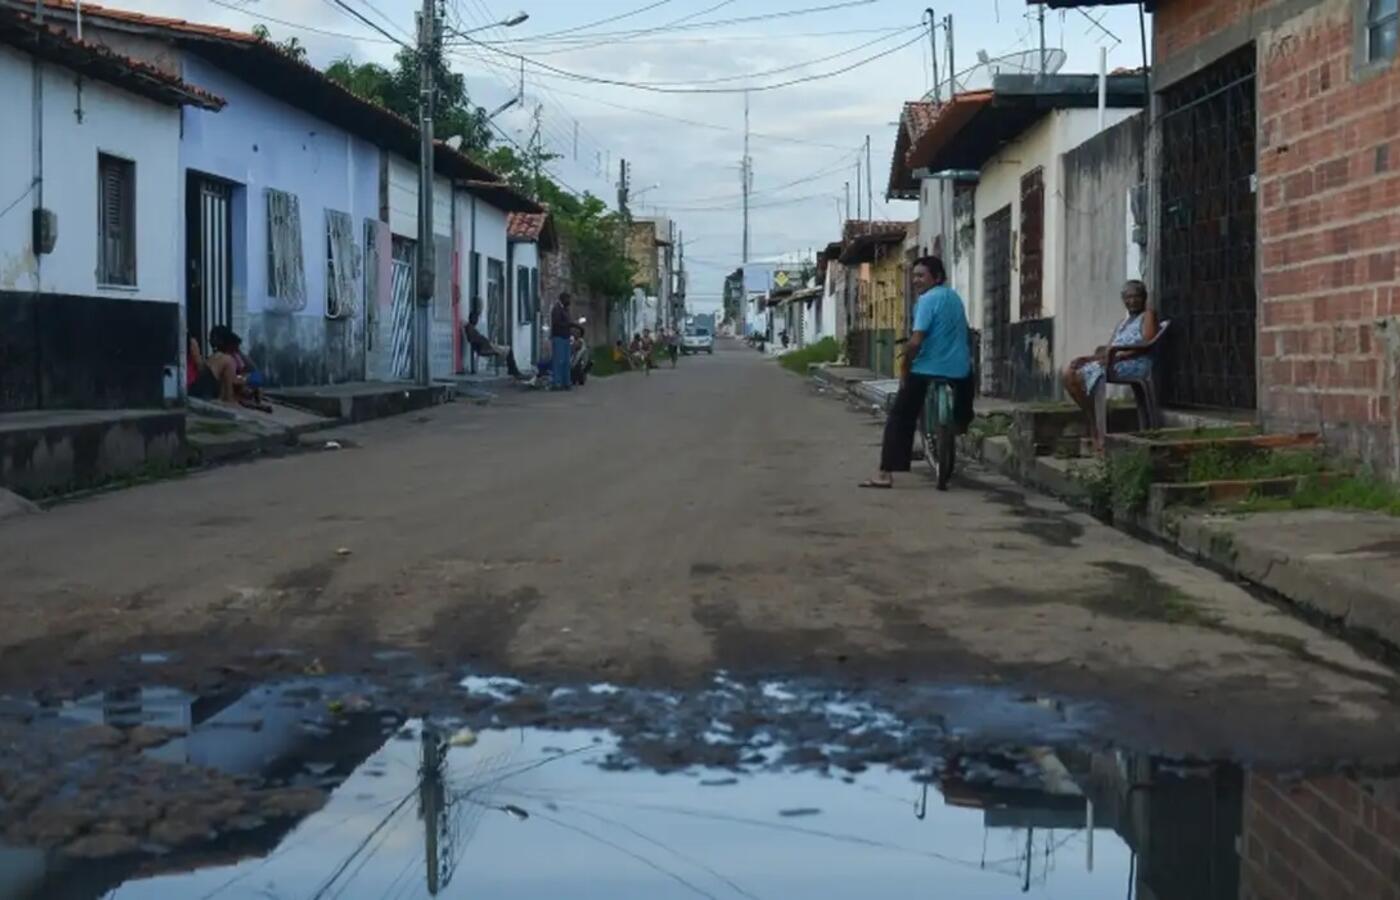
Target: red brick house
1275,212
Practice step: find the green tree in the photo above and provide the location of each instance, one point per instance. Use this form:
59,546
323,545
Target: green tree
396,89
292,46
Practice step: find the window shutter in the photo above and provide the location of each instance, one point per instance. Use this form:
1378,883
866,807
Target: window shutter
116,221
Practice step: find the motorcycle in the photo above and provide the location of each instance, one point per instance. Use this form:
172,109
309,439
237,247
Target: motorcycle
580,362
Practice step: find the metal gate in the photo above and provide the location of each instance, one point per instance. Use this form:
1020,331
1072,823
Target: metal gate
1032,244
996,317
1207,190
208,257
401,311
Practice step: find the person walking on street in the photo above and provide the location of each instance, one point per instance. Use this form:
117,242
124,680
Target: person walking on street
561,328
938,349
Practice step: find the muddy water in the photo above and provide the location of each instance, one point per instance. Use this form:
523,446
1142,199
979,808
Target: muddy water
321,788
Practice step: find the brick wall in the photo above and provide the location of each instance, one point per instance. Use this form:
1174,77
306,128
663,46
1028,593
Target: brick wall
1329,220
1325,838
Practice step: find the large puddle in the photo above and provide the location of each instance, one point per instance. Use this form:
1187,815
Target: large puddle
320,789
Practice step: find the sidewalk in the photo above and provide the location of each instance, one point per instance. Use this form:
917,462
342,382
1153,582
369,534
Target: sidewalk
218,433
1340,565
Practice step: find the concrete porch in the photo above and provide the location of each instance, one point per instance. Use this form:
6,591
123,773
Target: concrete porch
361,401
48,452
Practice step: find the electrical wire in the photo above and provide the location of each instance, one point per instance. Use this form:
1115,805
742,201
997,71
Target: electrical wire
620,16
785,14
649,31
666,89
350,10
300,27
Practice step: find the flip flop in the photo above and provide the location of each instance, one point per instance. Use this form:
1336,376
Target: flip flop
874,485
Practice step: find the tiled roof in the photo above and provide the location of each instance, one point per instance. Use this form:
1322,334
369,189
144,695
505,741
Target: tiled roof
525,226
918,116
265,66
19,29
856,228
950,119
165,22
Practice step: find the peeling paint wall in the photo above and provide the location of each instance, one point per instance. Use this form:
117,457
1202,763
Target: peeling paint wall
259,144
1100,175
57,320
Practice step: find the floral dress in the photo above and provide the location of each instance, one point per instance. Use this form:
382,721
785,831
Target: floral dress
1128,333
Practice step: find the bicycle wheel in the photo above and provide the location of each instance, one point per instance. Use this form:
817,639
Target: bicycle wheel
947,436
928,431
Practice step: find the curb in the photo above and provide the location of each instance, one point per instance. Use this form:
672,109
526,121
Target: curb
1352,605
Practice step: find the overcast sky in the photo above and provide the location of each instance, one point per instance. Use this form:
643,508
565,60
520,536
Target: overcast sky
810,133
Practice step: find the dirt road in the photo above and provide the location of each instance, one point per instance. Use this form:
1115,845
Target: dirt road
653,530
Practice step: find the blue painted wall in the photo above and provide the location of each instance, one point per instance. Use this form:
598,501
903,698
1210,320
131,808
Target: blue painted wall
258,142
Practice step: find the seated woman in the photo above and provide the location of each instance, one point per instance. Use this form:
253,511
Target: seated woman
248,380
1086,374
620,357
215,377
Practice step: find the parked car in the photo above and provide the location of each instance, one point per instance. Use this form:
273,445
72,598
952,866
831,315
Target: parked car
697,340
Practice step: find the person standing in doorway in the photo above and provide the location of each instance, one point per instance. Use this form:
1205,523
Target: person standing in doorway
561,328
937,349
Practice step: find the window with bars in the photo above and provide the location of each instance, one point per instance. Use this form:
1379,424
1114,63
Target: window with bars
116,221
1382,26
286,276
522,294
341,265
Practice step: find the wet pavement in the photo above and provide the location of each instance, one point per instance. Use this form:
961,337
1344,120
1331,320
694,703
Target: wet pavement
477,786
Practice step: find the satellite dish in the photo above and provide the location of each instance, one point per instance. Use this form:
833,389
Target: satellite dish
981,76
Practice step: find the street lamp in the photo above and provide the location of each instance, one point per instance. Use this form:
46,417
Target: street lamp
504,23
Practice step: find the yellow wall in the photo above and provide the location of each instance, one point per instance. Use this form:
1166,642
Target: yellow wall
887,301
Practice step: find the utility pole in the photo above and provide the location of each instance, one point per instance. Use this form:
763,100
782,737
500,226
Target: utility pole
846,211
429,40
952,60
575,140
430,806
1042,42
624,187
536,151
869,182
746,174
860,208
933,45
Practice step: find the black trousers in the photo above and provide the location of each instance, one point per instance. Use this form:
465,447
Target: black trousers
897,454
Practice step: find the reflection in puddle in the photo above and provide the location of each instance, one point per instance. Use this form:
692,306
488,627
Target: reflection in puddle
510,818
802,807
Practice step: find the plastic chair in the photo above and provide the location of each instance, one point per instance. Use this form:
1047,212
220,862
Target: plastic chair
1144,387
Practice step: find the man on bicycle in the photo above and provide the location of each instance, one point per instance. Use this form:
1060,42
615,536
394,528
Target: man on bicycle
937,350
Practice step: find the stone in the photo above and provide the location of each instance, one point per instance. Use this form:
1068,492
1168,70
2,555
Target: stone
103,845
292,802
143,737
12,505
174,832
98,736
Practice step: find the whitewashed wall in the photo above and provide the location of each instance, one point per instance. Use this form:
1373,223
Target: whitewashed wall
112,121
526,334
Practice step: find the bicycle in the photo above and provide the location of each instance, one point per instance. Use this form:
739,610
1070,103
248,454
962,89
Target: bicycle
939,431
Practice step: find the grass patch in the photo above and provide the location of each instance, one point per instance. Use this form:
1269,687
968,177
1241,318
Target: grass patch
203,426
1122,481
1239,464
603,364
1202,433
1356,491
825,350
989,426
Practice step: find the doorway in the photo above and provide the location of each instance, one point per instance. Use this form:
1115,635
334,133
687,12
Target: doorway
1207,282
208,256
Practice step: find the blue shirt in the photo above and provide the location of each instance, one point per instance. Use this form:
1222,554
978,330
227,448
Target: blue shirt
940,315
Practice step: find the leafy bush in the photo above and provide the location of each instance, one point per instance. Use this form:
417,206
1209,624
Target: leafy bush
799,361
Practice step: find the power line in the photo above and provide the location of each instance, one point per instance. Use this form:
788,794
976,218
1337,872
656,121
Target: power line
366,20
648,31
665,89
695,123
698,25
620,16
300,27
